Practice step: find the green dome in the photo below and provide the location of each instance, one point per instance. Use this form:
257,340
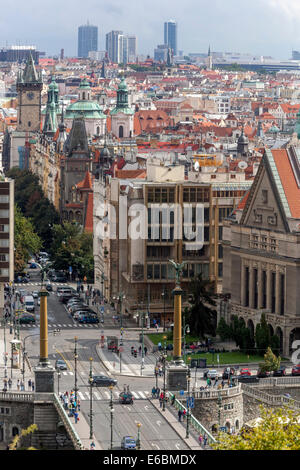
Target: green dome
274,130
88,109
122,85
85,84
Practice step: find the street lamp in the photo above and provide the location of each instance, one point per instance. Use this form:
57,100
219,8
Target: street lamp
58,377
164,371
91,397
138,441
75,358
143,315
111,415
188,404
164,297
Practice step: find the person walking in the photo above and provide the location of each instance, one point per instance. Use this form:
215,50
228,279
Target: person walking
18,384
29,384
145,350
22,386
32,386
9,383
173,399
200,439
205,440
140,350
153,391
179,415
76,416
78,404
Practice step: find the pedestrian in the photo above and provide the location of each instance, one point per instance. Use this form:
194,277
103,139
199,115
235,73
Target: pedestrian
29,384
32,386
18,384
132,350
160,401
78,404
156,327
140,350
22,386
76,417
173,399
222,383
153,392
92,446
200,439
179,415
9,383
205,440
145,350
184,413
159,346
157,392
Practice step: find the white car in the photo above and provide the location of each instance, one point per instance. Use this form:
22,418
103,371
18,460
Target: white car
35,294
39,301
212,374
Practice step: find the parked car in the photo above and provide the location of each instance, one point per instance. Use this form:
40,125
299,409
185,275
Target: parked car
39,301
262,374
77,307
296,370
103,381
280,372
49,287
60,364
128,442
35,294
81,313
26,319
126,398
228,372
210,374
88,319
245,372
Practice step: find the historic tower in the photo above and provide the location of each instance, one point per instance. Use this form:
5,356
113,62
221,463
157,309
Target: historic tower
122,114
29,87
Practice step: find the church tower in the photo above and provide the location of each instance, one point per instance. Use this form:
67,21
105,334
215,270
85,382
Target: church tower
29,88
122,114
50,124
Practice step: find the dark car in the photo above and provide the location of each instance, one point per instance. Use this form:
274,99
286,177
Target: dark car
126,398
26,319
262,374
88,319
103,381
280,372
60,365
33,266
296,370
228,372
49,287
24,280
77,307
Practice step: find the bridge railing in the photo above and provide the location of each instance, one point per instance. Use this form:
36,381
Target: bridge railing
67,423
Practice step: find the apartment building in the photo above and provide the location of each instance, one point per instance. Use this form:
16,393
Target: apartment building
6,235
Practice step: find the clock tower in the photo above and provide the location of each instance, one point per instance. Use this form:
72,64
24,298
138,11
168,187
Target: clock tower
29,87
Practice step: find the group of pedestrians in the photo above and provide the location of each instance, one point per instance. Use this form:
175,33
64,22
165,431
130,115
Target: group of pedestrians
70,404
7,385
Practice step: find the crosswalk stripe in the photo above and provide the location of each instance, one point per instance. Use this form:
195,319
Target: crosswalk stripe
146,392
71,373
107,394
135,395
65,373
97,396
87,393
81,396
142,395
116,393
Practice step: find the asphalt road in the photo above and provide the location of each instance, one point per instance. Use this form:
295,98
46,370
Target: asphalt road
155,432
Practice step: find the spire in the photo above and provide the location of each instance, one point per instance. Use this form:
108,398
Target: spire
30,74
209,52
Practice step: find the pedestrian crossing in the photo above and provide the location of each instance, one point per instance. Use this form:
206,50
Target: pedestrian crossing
59,325
105,395
26,284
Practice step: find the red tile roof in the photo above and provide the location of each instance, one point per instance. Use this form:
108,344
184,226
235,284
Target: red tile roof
288,181
88,227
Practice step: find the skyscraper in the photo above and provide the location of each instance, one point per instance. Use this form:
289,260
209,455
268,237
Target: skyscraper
114,46
170,35
87,39
132,48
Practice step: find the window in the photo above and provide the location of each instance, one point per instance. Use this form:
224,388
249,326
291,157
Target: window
4,213
29,123
4,243
4,198
264,196
4,228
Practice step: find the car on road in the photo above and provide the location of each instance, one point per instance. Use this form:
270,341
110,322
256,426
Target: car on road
103,381
296,370
24,280
88,319
60,364
77,307
35,294
281,372
33,266
245,372
39,301
228,372
49,287
29,303
262,374
79,313
210,374
128,442
26,319
126,398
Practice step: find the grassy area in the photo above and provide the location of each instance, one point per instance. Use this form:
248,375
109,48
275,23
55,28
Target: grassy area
159,337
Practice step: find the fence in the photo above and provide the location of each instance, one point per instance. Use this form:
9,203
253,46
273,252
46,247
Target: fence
67,423
194,422
275,400
227,392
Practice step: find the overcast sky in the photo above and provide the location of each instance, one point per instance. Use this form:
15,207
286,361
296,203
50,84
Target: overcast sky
262,27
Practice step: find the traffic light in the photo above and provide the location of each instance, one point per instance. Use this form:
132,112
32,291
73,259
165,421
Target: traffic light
135,353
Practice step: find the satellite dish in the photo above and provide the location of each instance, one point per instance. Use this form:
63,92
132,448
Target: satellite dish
242,165
196,166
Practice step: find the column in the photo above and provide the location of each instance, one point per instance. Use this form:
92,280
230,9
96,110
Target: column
278,293
269,299
44,328
177,330
251,287
259,287
243,280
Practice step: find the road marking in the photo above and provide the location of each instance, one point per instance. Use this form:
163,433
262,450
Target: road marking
135,395
65,373
155,445
142,395
177,446
107,394
81,396
146,392
116,393
87,393
158,423
97,396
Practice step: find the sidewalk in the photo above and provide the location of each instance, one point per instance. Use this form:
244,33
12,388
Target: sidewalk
179,427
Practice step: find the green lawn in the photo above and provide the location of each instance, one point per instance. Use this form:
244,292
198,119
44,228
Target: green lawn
159,337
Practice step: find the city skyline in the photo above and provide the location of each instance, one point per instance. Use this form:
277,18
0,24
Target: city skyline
275,23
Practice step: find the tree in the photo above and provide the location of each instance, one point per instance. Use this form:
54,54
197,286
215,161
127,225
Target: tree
201,317
271,361
224,330
72,247
27,241
24,432
262,335
277,429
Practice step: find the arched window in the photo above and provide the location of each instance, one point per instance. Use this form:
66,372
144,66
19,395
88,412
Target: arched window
237,424
83,95
121,131
29,123
98,130
15,431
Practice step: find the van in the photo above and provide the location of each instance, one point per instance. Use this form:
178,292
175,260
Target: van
29,303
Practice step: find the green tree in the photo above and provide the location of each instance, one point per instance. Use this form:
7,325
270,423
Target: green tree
224,330
262,335
271,361
202,318
27,242
277,429
72,247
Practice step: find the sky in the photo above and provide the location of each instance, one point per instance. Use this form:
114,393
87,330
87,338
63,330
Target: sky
260,27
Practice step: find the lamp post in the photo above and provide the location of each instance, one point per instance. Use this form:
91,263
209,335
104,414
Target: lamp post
186,330
111,416
138,441
144,315
75,360
164,297
164,371
188,404
91,398
58,377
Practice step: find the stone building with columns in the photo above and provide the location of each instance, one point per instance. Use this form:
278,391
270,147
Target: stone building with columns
261,266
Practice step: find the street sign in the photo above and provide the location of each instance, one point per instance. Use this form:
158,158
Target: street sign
190,402
181,392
